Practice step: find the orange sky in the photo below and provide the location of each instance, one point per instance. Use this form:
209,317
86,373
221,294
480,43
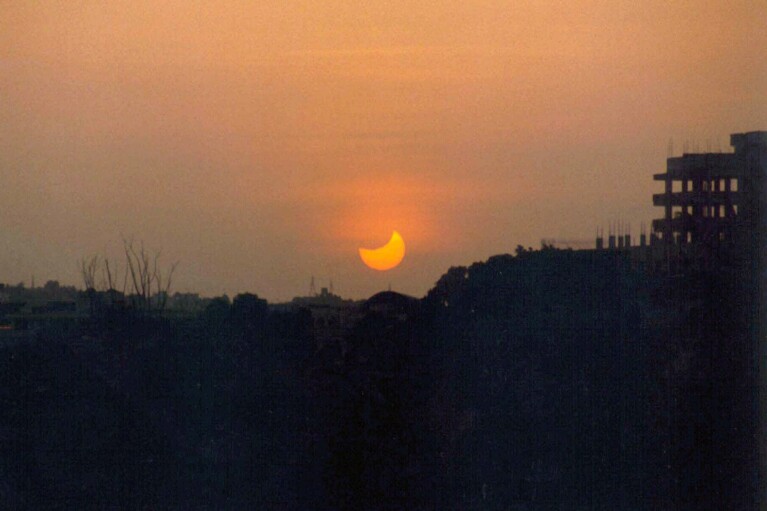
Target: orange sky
261,143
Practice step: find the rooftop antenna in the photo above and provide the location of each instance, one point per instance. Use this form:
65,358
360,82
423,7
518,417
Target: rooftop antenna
670,149
312,288
331,286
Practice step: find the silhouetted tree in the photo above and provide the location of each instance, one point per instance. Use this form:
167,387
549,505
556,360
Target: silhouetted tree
89,270
219,309
147,276
149,283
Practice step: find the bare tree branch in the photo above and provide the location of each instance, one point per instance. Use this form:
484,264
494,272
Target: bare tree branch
89,269
144,269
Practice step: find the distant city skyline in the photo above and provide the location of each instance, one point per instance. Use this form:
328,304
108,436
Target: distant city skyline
261,145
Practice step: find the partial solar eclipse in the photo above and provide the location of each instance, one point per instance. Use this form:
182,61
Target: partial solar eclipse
385,257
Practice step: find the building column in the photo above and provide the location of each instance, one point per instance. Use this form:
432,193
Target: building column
668,231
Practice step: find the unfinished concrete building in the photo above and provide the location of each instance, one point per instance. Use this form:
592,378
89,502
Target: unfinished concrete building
712,201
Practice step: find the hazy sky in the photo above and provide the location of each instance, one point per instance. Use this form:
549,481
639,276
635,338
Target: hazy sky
261,143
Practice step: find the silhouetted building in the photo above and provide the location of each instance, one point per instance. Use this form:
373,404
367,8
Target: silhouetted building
711,200
332,316
391,305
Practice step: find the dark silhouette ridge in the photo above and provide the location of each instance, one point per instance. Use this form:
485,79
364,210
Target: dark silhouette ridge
551,376
547,379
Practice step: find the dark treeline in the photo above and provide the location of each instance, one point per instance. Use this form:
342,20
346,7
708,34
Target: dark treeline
546,380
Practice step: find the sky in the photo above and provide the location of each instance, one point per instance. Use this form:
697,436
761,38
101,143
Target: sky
262,143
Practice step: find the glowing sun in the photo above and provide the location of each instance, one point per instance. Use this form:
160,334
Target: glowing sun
387,256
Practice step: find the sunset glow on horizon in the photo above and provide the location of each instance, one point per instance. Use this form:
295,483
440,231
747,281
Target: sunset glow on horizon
262,143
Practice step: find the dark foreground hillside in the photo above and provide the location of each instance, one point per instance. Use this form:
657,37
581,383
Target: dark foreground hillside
570,380
546,380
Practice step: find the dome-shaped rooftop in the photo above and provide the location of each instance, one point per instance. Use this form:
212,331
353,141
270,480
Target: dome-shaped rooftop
390,302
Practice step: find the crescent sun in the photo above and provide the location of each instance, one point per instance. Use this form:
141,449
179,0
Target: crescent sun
385,257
